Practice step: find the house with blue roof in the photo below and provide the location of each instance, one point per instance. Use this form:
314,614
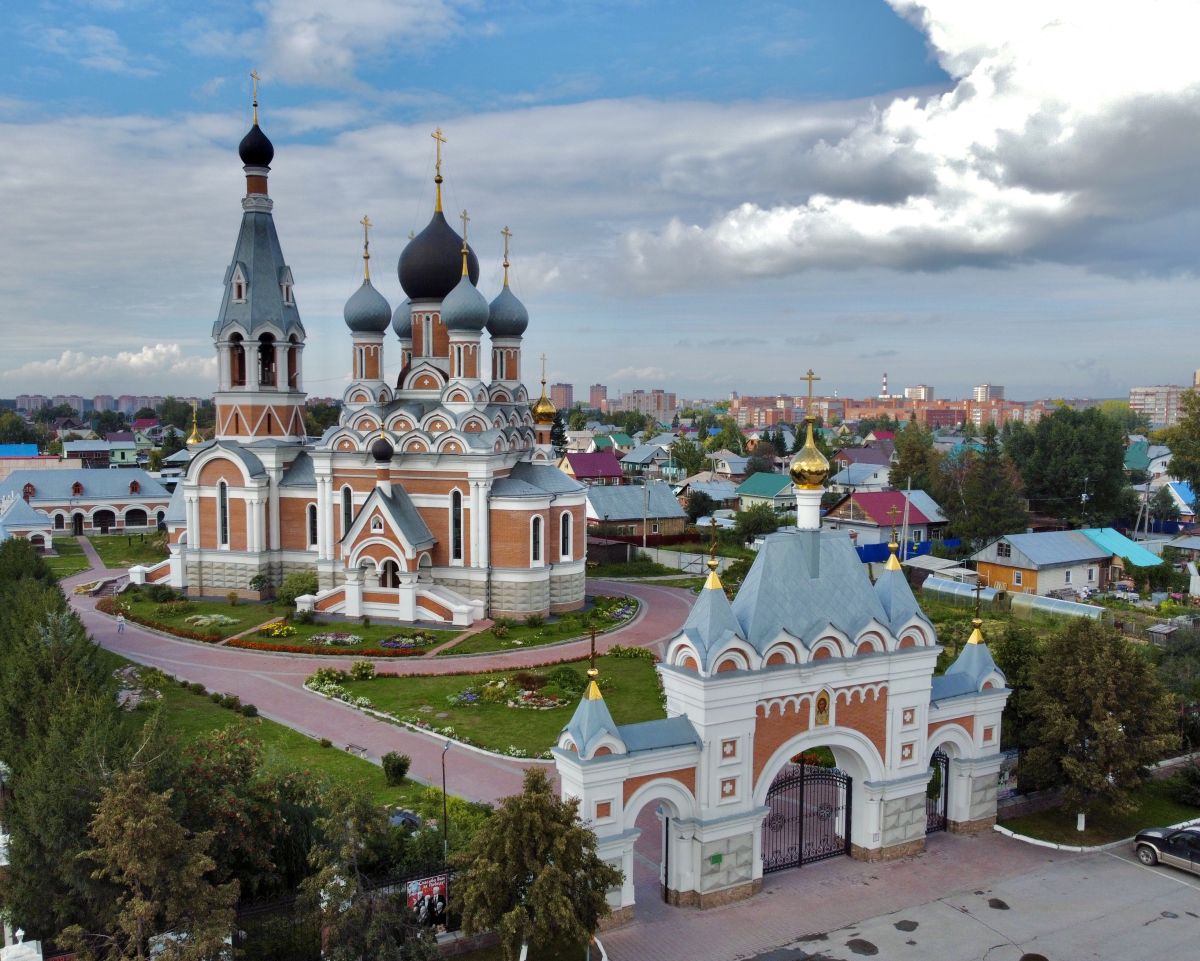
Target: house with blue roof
1055,563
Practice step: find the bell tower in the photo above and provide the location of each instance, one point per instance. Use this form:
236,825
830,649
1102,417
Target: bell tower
258,334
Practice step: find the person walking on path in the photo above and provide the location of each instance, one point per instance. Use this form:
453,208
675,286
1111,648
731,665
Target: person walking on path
120,623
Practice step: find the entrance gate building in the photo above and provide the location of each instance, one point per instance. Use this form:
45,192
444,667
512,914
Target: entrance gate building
810,653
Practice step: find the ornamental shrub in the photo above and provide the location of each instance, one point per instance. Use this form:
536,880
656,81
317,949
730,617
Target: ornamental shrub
530,680
632,653
294,585
500,631
231,701
232,597
534,620
395,767
197,688
325,742
567,679
159,593
362,671
249,710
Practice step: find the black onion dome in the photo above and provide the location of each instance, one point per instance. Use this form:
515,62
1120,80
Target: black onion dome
382,449
255,149
431,265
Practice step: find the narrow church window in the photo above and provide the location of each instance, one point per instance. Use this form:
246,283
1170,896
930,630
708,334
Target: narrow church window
427,337
535,544
565,536
223,514
293,362
287,293
312,525
239,291
237,361
266,361
456,526
347,509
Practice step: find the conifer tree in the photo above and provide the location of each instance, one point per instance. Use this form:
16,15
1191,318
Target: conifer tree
991,503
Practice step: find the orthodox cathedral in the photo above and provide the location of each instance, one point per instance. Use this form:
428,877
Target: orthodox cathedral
434,498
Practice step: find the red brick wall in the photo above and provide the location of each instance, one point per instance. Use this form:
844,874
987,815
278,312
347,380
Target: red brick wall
685,776
773,731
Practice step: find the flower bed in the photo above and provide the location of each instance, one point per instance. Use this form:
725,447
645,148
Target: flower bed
280,628
257,645
336,639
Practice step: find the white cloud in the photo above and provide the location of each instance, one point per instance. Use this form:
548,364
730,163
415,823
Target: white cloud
160,366
638,373
96,47
1058,123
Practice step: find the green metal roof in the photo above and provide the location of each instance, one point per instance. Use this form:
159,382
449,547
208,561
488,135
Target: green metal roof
764,484
1119,545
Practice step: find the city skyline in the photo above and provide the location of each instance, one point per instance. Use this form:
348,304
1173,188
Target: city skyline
918,188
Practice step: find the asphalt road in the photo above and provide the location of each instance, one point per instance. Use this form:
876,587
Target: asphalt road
1099,907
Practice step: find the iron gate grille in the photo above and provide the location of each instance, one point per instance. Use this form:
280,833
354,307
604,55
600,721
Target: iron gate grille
809,817
938,792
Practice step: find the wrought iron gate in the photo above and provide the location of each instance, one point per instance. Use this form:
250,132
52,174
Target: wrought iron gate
809,818
938,792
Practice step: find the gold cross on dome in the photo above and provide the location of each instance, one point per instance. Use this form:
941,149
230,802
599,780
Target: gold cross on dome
810,377
893,512
506,233
441,139
254,78
366,226
543,368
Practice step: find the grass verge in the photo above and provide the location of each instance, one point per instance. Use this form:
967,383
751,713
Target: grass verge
371,639
603,614
125,550
638,568
223,619
70,559
630,689
1156,807
189,716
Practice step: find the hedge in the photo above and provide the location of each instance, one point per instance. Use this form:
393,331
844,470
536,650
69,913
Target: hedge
254,645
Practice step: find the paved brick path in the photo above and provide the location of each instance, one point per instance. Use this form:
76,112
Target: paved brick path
274,683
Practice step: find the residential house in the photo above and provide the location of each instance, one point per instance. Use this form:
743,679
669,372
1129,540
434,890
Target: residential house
579,441
860,477
728,465
63,427
774,490
92,500
630,510
646,460
1059,562
617,441
1184,499
600,468
723,492
95,454
1154,460
861,455
870,516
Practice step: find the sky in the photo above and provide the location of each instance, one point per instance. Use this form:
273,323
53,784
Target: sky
703,196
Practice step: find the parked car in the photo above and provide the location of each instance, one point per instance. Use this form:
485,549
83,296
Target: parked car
1178,847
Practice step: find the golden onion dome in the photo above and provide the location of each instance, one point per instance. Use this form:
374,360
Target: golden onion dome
542,409
809,468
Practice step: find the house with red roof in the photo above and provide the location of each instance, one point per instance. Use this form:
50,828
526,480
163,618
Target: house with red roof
597,469
870,516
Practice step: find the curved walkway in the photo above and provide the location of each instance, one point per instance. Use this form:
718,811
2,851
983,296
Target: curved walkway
274,683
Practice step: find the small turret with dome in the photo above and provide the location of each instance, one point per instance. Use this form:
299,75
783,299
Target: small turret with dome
543,408
429,264
464,309
507,316
809,470
367,311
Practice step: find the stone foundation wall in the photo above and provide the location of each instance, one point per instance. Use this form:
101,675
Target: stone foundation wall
618,917
519,598
210,578
714,899
472,590
983,798
892,853
970,827
903,820
726,862
567,591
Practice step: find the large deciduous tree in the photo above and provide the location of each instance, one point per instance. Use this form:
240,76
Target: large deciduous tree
990,503
534,876
688,456
1184,441
916,459
1099,717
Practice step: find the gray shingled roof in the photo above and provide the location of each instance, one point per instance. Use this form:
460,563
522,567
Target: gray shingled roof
19,515
628,502
543,477
258,253
591,722
300,472
97,484
711,623
656,735
802,581
254,466
891,587
406,516
176,512
966,675
1047,548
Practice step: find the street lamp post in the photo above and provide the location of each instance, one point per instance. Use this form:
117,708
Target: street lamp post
445,815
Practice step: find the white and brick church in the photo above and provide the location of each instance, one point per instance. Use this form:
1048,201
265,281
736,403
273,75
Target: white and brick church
436,497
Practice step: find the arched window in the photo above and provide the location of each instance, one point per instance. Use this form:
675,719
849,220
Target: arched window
456,525
237,361
347,509
427,337
76,489
266,360
293,361
28,490
312,525
135,487
223,514
564,547
535,541
59,522
389,574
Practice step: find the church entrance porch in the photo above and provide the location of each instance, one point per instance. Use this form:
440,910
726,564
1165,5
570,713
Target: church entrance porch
809,817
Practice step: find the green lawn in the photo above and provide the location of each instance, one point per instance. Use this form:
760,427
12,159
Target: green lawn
725,548
687,583
244,615
630,689
1156,808
189,716
125,550
559,628
638,568
70,558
